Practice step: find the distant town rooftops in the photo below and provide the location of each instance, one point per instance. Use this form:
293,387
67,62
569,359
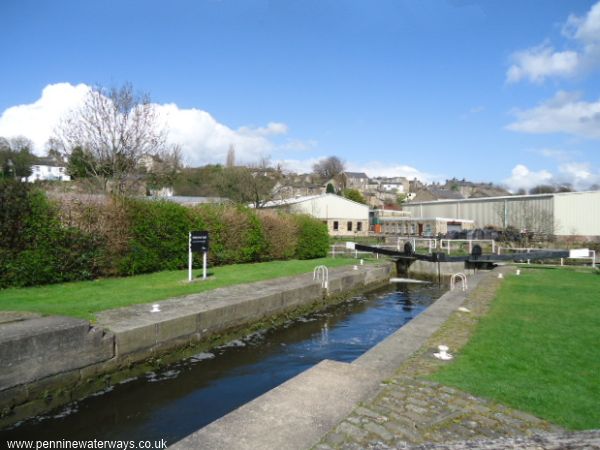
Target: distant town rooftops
356,175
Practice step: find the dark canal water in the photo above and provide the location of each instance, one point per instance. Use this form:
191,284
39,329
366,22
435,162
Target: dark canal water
183,397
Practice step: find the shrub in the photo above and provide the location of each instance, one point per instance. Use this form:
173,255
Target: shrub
159,236
35,248
236,234
281,233
313,238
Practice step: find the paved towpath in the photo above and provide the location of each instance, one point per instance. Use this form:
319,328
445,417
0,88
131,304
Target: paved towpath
410,411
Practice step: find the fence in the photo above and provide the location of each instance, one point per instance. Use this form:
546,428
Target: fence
591,254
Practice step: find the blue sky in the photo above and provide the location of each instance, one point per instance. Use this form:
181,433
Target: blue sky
503,91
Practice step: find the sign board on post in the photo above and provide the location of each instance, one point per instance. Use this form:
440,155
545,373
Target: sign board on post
198,242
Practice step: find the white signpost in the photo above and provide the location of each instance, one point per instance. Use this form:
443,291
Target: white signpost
198,242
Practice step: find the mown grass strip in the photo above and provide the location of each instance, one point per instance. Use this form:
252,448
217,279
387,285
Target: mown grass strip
538,348
85,298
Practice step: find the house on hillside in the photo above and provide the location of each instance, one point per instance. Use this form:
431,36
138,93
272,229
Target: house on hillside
47,169
432,193
356,180
343,217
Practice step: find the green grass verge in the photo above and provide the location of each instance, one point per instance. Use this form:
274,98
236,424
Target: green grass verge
85,298
538,348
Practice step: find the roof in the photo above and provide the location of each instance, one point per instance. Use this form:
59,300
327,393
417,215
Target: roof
292,201
503,197
445,193
356,174
189,200
416,219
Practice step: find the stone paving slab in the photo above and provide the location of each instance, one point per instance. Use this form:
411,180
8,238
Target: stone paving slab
300,410
412,412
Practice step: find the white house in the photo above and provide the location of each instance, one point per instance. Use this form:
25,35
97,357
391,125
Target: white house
343,217
47,172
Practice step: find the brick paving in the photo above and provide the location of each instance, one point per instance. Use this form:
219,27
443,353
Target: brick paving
412,412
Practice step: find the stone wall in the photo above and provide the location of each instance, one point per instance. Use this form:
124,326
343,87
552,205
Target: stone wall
49,361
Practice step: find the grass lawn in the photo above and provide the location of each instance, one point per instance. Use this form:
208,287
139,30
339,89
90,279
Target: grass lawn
84,298
538,349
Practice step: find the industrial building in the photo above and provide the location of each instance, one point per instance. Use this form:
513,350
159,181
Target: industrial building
567,214
392,222
343,217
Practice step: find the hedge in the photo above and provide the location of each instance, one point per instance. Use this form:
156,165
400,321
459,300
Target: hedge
43,242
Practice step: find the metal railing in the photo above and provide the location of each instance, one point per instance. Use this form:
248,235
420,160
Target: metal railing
462,277
321,273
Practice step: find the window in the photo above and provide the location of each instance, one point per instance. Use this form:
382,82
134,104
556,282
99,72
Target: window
336,225
349,226
358,226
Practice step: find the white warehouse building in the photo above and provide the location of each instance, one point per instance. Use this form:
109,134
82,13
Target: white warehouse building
562,214
343,217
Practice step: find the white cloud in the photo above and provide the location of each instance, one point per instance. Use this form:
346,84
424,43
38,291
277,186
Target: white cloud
543,61
523,178
382,169
586,28
37,120
202,138
580,176
564,113
540,62
556,154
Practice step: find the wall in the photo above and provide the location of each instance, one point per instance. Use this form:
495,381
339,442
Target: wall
577,213
518,211
331,206
50,361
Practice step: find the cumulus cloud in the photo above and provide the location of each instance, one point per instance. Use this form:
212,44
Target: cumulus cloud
37,120
540,62
523,178
382,169
543,61
564,113
580,176
201,137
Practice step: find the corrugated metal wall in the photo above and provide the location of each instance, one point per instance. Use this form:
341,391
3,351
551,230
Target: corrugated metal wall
535,213
578,213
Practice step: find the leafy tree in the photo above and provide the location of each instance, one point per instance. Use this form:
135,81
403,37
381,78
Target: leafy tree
79,164
400,199
355,195
16,158
199,181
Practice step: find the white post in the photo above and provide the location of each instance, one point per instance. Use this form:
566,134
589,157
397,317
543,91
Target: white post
190,257
470,246
204,265
493,246
562,261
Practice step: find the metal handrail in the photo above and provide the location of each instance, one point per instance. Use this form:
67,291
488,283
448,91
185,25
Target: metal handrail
321,273
461,276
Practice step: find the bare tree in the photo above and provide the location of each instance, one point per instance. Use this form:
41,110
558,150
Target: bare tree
328,168
230,162
115,128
